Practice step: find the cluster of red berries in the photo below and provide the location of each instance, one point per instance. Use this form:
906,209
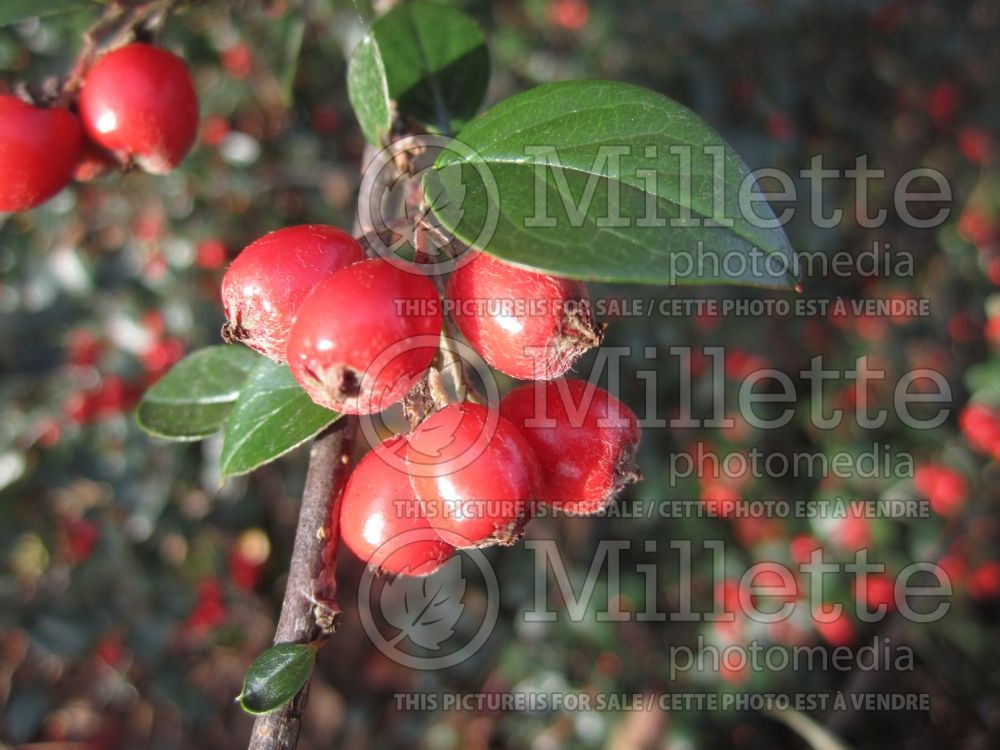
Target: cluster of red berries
359,334
137,105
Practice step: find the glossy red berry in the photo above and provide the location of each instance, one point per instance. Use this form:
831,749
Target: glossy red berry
39,149
364,336
139,103
529,325
264,286
475,475
585,440
381,520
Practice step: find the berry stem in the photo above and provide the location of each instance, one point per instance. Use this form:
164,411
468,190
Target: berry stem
119,25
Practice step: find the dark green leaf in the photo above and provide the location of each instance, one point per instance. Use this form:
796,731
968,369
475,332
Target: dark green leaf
192,401
428,58
272,416
586,122
276,676
12,11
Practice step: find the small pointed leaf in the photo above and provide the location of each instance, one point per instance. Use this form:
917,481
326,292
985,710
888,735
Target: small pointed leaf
276,676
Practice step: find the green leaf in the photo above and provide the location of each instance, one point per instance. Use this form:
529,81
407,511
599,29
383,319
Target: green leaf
13,11
561,206
293,31
276,676
192,401
428,58
983,380
368,91
272,416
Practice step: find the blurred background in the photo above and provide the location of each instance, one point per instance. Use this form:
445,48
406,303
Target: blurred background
134,590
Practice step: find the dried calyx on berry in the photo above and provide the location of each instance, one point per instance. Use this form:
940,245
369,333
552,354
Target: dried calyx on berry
530,325
364,336
264,286
474,474
585,440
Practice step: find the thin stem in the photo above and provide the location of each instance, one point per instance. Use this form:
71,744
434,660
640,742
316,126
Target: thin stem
309,612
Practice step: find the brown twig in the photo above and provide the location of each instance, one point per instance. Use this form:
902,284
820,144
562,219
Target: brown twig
309,612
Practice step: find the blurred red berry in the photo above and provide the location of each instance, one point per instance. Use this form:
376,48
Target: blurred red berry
83,348
976,145
81,538
211,254
991,332
955,568
728,602
209,608
976,227
571,15
945,488
780,127
879,589
942,102
237,60
214,130
980,424
162,354
720,498
324,120
984,581
839,632
802,546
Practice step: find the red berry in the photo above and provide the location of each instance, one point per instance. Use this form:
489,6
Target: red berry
39,149
529,325
879,589
364,336
475,474
945,488
984,581
980,423
585,440
264,286
381,520
139,102
836,632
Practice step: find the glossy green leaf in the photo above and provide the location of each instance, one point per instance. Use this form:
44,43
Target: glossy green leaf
193,400
272,416
13,11
276,676
430,59
584,179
